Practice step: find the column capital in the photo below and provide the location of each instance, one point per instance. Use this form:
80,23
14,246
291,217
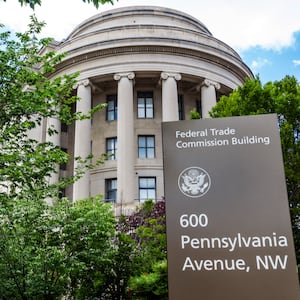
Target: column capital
208,83
129,75
84,82
166,75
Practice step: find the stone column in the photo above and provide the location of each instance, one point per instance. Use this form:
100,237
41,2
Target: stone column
126,146
170,96
54,124
82,139
208,96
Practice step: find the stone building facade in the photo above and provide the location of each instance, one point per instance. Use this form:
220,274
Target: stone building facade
150,65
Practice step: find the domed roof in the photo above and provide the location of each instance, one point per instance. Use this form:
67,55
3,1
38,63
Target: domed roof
142,25
149,38
139,16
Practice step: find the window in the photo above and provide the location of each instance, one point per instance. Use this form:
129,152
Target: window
112,108
146,146
111,148
147,188
64,127
180,107
111,190
145,105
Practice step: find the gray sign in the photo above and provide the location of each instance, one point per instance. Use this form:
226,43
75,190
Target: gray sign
228,225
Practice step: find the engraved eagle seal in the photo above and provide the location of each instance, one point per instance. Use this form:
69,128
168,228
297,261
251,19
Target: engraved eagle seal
194,182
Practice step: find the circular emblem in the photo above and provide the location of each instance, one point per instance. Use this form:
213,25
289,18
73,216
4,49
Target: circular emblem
194,182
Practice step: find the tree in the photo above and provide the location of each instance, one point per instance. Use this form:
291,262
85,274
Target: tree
33,3
46,251
87,230
122,266
194,114
152,285
147,227
27,97
283,98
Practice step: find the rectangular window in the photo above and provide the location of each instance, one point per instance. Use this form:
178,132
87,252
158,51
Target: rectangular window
111,148
111,190
145,105
146,146
112,108
180,107
147,188
64,127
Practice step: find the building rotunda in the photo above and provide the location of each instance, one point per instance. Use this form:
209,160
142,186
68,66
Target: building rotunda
149,65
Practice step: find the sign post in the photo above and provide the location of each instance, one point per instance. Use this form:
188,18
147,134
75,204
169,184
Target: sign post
228,226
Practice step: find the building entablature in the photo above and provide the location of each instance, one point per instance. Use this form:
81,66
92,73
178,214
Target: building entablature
231,72
149,39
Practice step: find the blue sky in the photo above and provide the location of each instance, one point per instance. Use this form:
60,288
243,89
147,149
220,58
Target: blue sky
266,33
272,64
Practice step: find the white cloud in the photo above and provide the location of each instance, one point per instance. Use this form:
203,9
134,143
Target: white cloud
241,24
259,63
296,62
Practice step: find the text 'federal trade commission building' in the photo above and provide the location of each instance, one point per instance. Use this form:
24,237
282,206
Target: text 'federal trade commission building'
149,65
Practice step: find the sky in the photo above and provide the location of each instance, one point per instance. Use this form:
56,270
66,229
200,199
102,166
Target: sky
265,33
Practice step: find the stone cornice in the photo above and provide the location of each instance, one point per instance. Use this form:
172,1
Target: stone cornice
229,62
140,31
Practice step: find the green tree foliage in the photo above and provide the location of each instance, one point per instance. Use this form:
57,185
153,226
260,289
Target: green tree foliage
87,234
151,285
283,98
122,267
147,227
33,3
27,97
194,114
46,252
